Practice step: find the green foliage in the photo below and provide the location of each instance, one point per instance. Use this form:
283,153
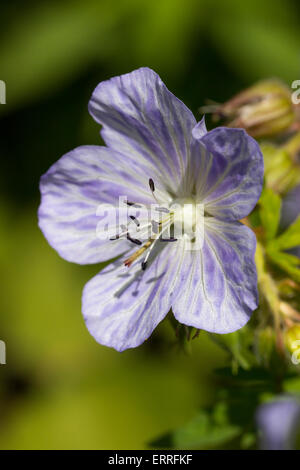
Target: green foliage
208,429
277,243
229,423
270,205
286,261
290,238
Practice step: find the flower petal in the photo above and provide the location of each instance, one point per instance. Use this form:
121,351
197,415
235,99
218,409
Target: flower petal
122,306
145,121
200,129
290,208
72,190
279,423
218,283
290,211
231,173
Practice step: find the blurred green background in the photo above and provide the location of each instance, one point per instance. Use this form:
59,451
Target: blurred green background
59,388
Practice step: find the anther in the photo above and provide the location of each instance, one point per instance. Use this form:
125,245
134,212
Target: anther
115,238
133,204
151,184
133,240
132,217
144,265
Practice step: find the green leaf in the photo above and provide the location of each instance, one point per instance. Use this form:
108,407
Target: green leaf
292,385
270,205
205,430
238,344
290,238
286,261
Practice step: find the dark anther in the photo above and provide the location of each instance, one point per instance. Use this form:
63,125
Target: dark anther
144,265
169,239
133,204
151,184
135,220
115,238
133,240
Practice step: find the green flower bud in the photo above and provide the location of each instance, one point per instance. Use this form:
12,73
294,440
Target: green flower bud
292,338
282,164
265,109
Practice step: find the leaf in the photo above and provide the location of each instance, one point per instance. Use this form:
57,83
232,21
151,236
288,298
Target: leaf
237,343
286,261
270,205
205,430
290,238
292,385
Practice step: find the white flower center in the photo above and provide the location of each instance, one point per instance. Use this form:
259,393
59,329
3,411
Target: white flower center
188,217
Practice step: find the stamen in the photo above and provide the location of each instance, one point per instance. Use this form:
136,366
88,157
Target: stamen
144,265
162,209
132,217
169,239
133,240
115,238
151,184
134,204
138,253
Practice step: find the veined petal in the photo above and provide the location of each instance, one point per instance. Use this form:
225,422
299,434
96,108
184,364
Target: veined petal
200,129
217,286
72,190
230,173
147,123
122,306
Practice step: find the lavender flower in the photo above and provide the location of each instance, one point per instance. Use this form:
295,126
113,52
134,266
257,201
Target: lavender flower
157,153
279,423
290,211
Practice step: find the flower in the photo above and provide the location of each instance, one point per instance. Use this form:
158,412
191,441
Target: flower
156,152
290,211
279,423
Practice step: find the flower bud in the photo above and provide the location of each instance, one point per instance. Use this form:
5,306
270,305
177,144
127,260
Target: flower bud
282,164
264,110
292,338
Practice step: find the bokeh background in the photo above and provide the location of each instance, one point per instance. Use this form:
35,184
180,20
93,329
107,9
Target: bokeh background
59,388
